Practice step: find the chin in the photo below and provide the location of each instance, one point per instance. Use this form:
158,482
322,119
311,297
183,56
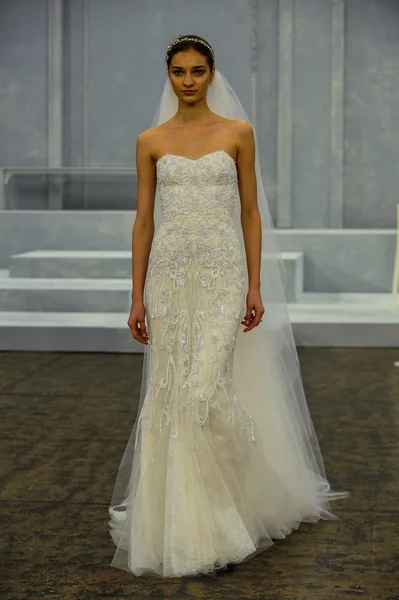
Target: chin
190,99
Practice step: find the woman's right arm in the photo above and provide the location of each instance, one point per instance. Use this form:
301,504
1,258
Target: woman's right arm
142,233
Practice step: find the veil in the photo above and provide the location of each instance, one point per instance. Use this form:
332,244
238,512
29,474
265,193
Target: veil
266,369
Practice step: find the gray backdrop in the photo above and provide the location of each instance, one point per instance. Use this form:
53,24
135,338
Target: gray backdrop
326,106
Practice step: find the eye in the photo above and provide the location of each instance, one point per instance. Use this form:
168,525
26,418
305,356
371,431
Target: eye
196,71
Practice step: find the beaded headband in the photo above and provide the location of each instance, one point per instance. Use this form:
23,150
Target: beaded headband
188,39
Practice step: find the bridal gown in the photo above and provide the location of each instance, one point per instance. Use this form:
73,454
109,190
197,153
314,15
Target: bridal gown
203,491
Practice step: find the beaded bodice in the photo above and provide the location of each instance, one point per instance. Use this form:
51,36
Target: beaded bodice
197,188
197,198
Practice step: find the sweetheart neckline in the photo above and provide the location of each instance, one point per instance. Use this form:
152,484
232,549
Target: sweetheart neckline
196,159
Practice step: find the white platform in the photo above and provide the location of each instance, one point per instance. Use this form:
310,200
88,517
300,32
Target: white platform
72,264
79,301
364,320
64,295
26,269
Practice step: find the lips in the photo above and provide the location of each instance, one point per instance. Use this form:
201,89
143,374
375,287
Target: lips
188,92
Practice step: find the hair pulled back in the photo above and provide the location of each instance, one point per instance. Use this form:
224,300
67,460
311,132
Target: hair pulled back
195,42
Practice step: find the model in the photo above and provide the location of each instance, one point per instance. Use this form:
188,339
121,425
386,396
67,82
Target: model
223,457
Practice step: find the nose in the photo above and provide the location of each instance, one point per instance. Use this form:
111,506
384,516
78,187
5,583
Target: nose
188,80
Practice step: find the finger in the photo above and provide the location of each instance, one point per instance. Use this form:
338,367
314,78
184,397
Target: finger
248,325
249,316
250,313
138,334
255,320
258,316
139,328
135,332
143,328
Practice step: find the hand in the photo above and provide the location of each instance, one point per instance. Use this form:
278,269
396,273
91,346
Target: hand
136,323
255,310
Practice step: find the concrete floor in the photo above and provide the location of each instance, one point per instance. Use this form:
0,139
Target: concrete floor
65,420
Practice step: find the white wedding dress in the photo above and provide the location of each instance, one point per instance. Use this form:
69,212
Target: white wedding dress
206,486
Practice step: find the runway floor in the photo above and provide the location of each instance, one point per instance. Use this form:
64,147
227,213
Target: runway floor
65,420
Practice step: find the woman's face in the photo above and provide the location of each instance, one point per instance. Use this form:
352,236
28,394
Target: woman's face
189,71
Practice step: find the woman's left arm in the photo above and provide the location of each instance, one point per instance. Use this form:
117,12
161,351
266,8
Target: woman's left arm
250,221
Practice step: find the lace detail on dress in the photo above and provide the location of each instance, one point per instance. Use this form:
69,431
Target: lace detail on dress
194,297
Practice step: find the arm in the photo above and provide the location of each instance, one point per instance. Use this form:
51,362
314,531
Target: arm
250,220
142,233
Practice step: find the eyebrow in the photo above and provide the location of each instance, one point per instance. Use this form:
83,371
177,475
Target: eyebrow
195,67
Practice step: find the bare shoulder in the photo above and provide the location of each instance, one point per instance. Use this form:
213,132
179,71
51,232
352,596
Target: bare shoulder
149,140
245,143
236,123
244,135
243,129
146,138
146,141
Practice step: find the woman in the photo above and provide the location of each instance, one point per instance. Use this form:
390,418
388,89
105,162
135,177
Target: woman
223,457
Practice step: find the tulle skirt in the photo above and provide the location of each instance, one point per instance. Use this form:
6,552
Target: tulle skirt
220,492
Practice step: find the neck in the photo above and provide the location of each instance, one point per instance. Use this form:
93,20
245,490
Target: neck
192,114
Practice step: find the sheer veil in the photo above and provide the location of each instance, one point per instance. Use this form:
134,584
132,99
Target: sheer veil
266,369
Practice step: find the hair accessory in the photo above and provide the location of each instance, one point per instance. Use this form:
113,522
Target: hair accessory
187,38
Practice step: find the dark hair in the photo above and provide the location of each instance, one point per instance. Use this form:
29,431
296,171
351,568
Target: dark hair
201,46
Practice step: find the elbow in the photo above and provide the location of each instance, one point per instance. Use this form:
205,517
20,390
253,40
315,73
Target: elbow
144,224
251,215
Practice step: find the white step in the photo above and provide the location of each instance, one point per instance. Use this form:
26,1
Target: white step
79,294
362,320
346,319
294,266
64,295
107,265
67,332
72,264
